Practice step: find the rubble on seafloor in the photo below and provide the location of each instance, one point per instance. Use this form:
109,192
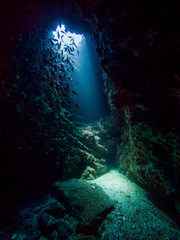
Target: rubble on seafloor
109,207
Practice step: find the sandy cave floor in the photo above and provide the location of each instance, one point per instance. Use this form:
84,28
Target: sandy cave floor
135,216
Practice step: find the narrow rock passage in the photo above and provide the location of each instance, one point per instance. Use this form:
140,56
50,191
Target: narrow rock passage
134,216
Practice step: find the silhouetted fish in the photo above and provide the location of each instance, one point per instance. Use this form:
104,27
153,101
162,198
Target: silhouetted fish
64,95
74,44
63,104
52,72
51,83
58,44
57,87
62,65
70,118
77,105
60,77
67,86
74,92
66,59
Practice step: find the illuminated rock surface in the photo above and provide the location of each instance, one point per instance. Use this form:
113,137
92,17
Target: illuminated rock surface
134,216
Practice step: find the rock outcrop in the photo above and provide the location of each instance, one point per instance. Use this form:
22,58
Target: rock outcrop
75,211
83,200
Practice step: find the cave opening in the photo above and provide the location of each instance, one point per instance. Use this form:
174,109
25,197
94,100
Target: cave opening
84,79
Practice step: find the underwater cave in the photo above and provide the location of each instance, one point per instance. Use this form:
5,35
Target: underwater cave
89,120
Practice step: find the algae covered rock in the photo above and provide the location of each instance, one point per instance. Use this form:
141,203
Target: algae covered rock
89,135
93,149
78,161
88,173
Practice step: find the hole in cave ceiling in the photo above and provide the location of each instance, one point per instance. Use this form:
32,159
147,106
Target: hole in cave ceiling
65,38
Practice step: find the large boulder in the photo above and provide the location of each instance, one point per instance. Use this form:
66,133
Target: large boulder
87,202
84,200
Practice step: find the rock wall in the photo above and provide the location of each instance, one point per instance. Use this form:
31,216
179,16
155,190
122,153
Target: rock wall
138,46
149,159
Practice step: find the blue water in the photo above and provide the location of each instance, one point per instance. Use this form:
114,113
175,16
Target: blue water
88,73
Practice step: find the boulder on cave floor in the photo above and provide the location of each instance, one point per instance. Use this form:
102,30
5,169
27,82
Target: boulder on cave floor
87,202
